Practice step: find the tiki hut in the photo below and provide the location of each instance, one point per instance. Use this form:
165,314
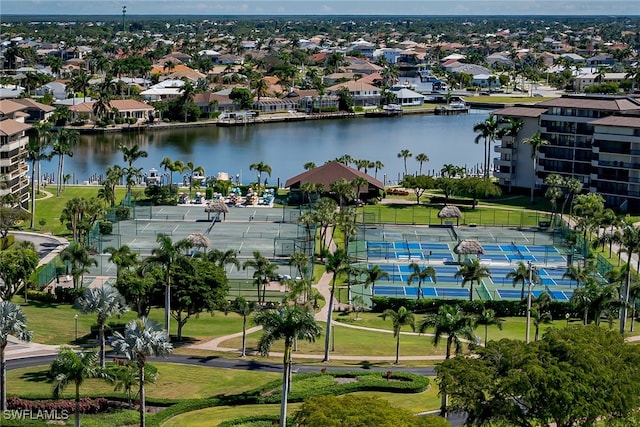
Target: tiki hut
448,212
468,247
217,206
199,241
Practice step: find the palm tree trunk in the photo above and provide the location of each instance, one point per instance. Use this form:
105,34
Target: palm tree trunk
3,379
244,336
625,296
486,334
167,307
586,316
327,337
633,315
143,409
398,348
286,377
33,196
102,341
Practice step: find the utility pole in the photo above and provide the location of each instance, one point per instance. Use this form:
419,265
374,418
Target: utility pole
124,12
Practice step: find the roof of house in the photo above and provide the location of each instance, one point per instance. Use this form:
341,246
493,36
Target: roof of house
11,127
520,112
611,103
8,106
129,104
619,121
207,98
329,173
30,103
354,87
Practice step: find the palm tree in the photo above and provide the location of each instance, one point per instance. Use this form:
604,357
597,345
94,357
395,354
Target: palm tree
399,318
263,271
377,165
36,151
186,98
487,317
578,273
288,324
224,258
300,260
554,183
12,322
261,168
168,255
171,166
421,158
63,146
536,141
261,89
487,131
106,301
193,169
421,275
343,189
70,366
130,155
337,263
123,258
472,271
142,338
539,317
404,155
521,275
628,238
80,259
457,326
244,308
309,165
372,275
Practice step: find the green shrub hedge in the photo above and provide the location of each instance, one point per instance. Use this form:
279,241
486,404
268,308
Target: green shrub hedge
501,307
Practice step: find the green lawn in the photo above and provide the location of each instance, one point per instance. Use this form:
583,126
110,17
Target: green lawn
55,323
175,382
50,208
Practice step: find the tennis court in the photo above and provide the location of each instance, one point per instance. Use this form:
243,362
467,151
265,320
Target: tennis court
243,230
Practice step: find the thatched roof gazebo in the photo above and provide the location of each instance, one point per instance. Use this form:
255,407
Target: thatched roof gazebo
450,211
199,241
217,206
468,247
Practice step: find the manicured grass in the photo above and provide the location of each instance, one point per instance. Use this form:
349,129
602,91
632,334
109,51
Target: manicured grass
49,209
55,323
214,416
355,342
175,382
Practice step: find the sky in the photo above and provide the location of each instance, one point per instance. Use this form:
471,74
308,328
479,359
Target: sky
321,7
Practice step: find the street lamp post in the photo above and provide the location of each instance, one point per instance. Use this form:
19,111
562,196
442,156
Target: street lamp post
75,318
528,326
567,316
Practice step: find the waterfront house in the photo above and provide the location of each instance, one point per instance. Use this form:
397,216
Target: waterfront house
363,94
407,97
37,112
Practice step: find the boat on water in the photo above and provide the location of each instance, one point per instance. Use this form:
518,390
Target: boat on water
153,177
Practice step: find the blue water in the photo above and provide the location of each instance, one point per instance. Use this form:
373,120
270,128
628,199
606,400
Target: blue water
286,147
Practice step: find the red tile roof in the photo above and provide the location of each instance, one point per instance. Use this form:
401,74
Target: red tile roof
11,127
520,111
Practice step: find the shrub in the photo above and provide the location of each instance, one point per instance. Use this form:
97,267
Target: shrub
122,213
208,193
132,120
87,405
68,295
41,296
7,241
106,227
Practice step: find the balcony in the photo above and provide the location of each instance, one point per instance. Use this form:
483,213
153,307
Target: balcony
502,175
503,150
498,162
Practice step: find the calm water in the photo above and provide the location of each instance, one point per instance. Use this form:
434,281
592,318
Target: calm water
286,147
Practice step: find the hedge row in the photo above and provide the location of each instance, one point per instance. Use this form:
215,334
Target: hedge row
180,408
501,307
87,405
62,295
403,382
255,421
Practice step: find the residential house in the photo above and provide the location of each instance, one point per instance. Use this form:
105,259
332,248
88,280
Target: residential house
211,102
364,47
274,105
407,97
363,94
583,81
601,60
310,101
57,89
36,111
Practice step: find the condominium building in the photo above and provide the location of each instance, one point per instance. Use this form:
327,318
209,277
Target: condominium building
13,143
595,139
